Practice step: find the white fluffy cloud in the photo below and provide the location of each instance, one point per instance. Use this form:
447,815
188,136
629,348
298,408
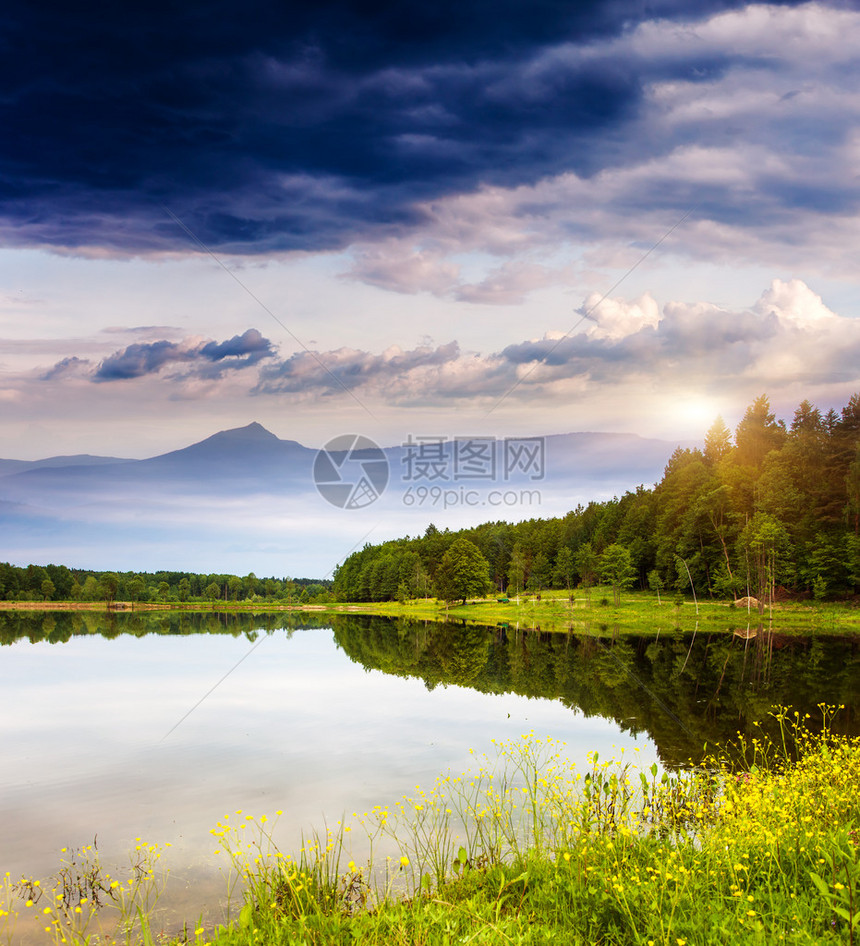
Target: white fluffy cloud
617,318
793,302
787,336
627,364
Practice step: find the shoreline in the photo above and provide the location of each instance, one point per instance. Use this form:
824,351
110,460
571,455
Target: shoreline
554,613
663,859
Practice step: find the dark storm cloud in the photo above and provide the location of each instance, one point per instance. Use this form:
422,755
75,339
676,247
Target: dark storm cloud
209,360
140,359
251,345
301,126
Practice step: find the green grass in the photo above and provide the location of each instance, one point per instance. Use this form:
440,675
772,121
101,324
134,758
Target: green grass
638,612
593,611
760,846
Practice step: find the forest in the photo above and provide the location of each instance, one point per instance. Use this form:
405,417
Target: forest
61,583
770,510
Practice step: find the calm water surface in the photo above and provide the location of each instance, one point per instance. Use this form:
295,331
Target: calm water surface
156,727
160,736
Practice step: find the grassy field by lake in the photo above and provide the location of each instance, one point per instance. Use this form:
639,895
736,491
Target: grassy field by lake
758,846
641,612
558,611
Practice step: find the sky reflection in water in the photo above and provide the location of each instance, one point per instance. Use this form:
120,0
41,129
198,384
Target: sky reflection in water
89,751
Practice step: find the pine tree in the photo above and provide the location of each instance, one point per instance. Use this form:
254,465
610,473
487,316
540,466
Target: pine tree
758,433
718,441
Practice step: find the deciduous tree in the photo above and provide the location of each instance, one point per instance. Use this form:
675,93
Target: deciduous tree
463,572
616,569
562,574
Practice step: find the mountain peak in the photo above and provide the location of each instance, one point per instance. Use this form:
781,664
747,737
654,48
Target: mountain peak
251,433
235,442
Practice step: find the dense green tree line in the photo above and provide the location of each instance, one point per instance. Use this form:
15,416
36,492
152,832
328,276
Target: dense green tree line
774,506
59,583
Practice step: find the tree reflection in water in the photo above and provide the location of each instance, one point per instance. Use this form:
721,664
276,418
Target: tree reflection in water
683,691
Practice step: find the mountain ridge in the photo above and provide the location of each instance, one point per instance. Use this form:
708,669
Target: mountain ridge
243,499
255,434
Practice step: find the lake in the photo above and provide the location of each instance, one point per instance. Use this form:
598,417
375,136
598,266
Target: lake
156,725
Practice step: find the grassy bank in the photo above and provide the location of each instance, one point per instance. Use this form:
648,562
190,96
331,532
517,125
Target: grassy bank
761,846
638,612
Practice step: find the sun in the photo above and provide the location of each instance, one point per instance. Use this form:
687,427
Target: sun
695,414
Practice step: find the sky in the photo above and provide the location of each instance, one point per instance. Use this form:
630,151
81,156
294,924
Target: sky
446,219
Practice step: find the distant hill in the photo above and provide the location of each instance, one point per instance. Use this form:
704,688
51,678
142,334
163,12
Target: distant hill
79,459
247,493
243,458
253,457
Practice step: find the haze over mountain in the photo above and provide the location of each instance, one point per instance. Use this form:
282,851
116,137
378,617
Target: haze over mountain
244,500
